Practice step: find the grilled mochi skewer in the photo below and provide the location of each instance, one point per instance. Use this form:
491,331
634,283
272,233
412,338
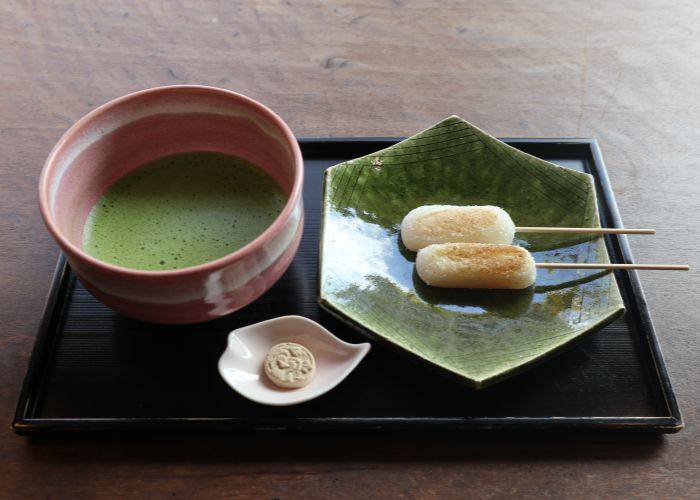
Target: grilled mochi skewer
430,224
483,265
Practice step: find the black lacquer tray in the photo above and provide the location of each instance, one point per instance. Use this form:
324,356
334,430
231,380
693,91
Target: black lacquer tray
93,370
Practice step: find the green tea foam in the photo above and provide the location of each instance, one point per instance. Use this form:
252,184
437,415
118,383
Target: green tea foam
182,210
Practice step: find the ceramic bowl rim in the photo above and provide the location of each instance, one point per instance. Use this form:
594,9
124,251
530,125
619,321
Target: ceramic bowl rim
270,232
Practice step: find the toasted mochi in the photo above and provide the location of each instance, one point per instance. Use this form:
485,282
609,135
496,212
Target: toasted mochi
476,265
432,224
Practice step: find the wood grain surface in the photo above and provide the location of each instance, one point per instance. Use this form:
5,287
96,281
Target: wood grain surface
623,72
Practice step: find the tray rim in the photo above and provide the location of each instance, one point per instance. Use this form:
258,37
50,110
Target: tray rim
25,424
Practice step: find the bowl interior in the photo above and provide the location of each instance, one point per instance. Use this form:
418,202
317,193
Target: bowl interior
369,278
128,132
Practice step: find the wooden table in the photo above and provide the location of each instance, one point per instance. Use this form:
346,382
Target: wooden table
626,75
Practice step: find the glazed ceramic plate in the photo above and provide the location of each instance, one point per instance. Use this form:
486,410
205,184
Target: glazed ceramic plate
368,277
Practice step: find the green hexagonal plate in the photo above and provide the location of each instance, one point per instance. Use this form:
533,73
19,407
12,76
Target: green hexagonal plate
367,276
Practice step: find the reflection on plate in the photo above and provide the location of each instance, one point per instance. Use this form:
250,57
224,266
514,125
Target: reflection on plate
368,277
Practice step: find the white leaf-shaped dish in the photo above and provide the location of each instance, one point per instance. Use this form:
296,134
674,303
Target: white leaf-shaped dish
241,364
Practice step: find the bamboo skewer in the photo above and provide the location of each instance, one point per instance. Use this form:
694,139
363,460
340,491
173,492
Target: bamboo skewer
582,265
585,230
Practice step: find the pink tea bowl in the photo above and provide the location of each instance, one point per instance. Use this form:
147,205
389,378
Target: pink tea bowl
130,131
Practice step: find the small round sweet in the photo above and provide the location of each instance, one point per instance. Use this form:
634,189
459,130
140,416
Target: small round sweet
290,365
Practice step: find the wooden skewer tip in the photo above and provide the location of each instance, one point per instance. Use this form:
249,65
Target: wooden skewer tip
585,265
583,230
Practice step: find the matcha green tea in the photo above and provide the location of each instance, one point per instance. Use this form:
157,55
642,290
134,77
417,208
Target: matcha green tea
182,210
